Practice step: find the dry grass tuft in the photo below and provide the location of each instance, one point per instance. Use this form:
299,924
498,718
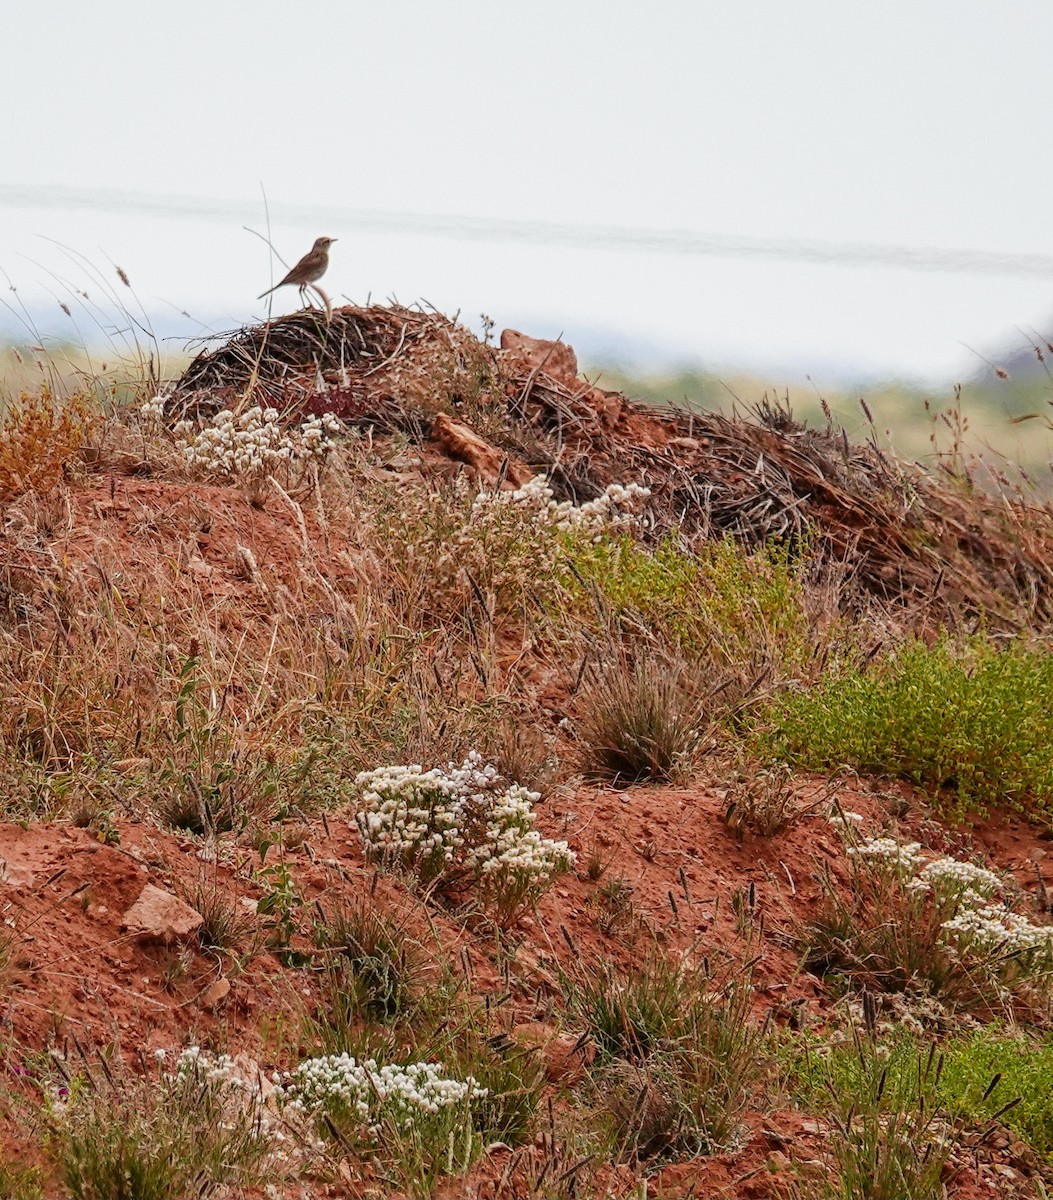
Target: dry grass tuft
641,721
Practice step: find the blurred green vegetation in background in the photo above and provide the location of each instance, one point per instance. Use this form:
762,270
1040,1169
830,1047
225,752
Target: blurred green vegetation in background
1005,422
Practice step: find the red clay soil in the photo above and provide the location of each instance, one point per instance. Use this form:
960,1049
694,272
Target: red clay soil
82,975
687,883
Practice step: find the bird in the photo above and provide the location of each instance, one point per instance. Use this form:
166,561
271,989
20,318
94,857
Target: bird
308,270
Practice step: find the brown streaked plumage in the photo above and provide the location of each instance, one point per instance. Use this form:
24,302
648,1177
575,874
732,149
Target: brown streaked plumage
308,270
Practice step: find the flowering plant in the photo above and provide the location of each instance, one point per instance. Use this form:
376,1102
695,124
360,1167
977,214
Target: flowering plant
951,923
445,823
250,445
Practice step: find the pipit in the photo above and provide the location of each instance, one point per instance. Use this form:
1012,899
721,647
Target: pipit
308,270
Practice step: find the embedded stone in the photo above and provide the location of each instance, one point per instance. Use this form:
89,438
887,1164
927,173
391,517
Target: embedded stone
555,359
159,916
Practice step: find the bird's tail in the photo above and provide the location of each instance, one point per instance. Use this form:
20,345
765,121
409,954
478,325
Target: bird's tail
268,291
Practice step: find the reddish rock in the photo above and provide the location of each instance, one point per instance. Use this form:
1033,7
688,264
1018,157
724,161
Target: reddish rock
484,461
159,916
18,878
565,1056
216,992
556,359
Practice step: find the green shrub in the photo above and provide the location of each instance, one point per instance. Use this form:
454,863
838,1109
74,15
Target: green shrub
978,720
735,606
887,1137
377,968
991,1074
1023,1068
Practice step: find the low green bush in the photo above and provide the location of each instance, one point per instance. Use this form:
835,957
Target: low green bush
976,719
993,1073
730,604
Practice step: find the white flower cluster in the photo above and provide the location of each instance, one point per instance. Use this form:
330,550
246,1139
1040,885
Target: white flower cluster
514,847
238,1088
252,444
411,817
457,818
153,408
899,858
846,822
615,509
953,879
193,1062
962,892
366,1092
992,929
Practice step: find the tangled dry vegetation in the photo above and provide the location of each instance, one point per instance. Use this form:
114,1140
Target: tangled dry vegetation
458,715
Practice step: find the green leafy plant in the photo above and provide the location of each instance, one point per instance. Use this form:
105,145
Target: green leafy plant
198,776
739,608
1021,1097
977,720
898,1105
280,903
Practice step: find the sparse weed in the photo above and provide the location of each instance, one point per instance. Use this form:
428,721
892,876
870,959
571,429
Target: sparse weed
40,438
1021,1067
641,721
163,1136
887,1139
21,1182
899,1105
617,912
227,926
765,801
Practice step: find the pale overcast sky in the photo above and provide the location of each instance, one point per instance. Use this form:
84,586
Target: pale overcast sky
145,135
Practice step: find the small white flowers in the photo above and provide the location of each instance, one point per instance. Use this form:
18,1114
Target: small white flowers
410,817
457,820
973,930
152,409
951,878
614,510
995,930
899,858
342,1086
252,444
846,822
